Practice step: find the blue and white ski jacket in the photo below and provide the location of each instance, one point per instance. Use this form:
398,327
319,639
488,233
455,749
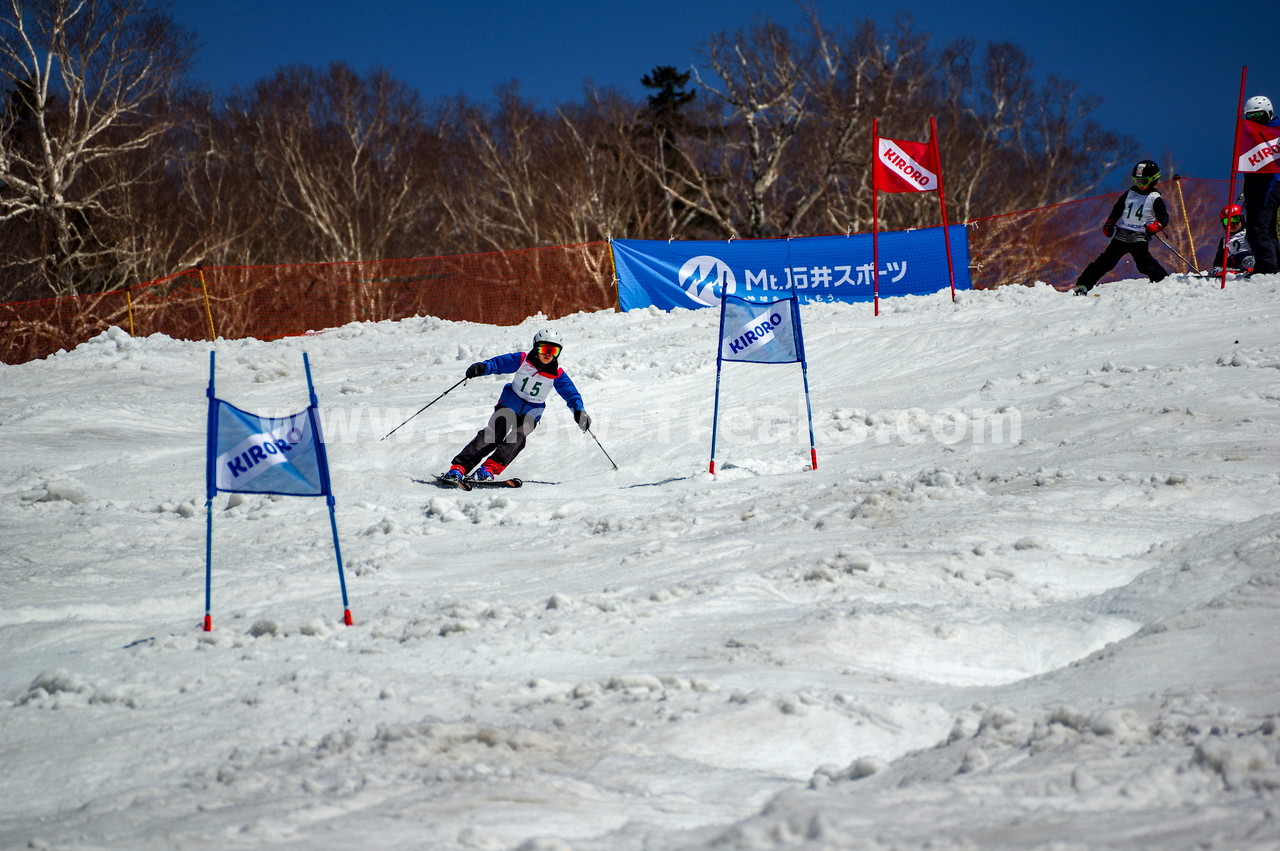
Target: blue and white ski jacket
528,390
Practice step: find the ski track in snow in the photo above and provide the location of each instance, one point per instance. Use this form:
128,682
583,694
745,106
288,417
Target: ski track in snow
1055,628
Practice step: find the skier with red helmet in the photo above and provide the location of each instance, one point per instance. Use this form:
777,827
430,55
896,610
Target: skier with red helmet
1239,256
520,406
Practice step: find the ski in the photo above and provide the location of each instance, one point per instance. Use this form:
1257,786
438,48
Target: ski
495,483
1232,275
467,484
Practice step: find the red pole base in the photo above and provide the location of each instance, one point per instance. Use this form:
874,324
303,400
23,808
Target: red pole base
208,623
813,454
712,468
346,616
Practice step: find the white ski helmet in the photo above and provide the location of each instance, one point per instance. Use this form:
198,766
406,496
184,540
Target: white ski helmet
1259,103
548,335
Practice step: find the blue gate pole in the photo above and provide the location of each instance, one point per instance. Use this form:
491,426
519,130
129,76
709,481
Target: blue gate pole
804,372
211,489
715,411
715,420
813,448
327,486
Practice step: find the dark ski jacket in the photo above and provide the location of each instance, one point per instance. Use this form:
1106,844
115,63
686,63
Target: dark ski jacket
1133,211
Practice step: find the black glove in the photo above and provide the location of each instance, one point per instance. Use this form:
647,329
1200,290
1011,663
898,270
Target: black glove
475,370
583,419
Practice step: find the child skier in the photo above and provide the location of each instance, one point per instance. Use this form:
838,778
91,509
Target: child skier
519,408
1262,195
1236,245
1138,215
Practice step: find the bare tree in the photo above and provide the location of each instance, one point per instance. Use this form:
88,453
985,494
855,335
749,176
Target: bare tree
501,158
758,80
668,117
859,76
791,147
339,154
202,208
88,83
1016,142
217,215
717,160
521,177
598,191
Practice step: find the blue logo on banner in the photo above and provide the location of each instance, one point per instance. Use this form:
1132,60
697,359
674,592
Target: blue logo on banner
818,268
704,278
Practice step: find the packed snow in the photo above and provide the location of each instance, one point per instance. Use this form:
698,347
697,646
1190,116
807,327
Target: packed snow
1030,597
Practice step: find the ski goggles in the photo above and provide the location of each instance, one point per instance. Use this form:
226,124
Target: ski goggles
1144,182
548,349
1233,220
1258,115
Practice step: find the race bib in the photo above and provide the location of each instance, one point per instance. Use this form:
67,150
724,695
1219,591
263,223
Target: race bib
1138,211
531,385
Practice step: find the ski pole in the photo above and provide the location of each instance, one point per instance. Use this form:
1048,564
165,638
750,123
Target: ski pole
602,449
420,410
1175,251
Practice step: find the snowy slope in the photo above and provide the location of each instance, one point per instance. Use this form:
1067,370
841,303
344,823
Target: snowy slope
1028,599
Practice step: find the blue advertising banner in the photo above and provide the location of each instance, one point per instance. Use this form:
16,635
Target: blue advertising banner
820,268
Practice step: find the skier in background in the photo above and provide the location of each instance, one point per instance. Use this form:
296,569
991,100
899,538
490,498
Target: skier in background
521,405
1138,215
1262,195
1239,256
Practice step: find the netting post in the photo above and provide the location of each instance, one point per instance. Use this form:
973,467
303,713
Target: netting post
613,276
208,310
1186,221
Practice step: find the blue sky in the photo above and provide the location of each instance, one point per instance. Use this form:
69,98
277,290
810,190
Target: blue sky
1169,73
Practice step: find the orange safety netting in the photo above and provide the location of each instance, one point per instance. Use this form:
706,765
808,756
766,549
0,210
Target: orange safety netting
266,302
1049,244
1054,244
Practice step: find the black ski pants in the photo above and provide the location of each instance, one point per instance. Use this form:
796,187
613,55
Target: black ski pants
1110,256
504,436
1261,206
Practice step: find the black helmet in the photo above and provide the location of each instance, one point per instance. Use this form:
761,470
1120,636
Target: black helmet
1146,173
